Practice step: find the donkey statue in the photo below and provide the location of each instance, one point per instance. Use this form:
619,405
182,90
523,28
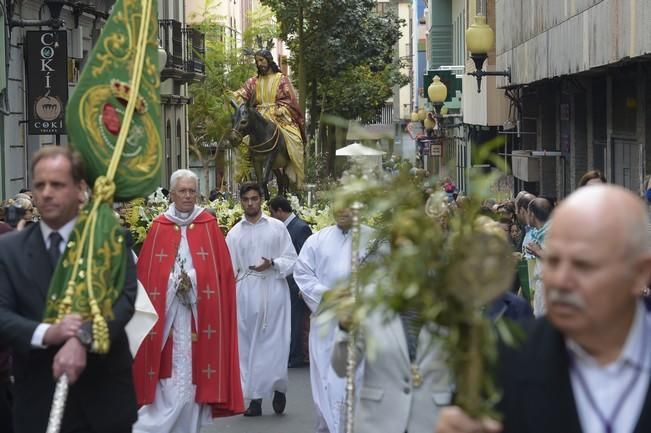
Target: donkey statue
267,148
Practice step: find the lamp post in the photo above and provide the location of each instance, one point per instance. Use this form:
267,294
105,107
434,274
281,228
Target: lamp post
479,39
437,93
162,57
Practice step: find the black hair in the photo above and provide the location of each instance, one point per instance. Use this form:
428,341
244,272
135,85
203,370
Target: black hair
282,203
541,208
250,186
523,202
270,59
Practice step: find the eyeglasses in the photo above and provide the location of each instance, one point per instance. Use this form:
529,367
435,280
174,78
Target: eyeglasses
188,192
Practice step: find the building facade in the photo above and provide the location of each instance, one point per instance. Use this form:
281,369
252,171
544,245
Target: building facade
582,90
82,24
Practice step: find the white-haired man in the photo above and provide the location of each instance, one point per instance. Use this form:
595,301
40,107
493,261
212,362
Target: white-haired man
187,370
586,366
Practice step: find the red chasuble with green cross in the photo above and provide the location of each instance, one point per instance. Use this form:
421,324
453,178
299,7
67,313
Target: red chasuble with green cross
215,359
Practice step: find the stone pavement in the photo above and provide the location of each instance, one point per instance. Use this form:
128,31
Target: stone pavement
298,416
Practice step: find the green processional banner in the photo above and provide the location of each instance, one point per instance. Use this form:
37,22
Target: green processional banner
113,121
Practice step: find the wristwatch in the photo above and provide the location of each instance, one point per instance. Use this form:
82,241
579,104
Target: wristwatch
85,338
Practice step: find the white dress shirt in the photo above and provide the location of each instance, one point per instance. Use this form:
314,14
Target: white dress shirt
64,231
289,219
610,383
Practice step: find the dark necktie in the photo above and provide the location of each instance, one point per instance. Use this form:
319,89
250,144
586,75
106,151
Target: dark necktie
411,325
54,251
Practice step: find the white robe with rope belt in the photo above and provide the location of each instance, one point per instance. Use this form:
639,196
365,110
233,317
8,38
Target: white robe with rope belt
263,304
325,261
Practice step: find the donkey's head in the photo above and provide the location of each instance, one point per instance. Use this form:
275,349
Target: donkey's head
241,118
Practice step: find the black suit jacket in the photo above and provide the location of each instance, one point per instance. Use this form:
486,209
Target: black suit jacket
511,307
103,398
299,231
538,396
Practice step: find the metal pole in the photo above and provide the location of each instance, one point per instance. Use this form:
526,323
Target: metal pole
354,289
58,405
481,8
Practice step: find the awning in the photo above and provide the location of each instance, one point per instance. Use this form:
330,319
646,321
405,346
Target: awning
358,149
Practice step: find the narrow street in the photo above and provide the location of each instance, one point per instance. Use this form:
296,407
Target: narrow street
298,416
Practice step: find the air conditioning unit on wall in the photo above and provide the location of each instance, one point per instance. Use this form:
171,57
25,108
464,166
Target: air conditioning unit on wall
525,166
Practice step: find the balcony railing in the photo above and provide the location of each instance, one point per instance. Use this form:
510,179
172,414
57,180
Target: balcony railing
185,48
196,51
384,115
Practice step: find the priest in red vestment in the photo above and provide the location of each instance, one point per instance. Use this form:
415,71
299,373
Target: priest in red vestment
187,369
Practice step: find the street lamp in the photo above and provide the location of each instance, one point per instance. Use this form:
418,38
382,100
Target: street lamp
429,123
479,39
162,57
438,93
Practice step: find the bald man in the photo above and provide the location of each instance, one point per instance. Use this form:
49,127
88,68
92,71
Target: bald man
586,366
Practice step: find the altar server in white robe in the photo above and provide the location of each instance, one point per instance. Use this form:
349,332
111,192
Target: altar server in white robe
325,261
263,255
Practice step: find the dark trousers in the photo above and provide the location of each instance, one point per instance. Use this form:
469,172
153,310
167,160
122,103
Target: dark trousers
298,337
6,418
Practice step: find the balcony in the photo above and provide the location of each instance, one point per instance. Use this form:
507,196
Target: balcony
195,68
171,36
185,48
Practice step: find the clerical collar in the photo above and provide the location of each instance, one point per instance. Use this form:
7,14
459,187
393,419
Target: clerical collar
182,218
182,215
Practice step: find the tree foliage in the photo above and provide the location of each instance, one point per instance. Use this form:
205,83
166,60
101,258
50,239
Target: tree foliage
342,39
359,91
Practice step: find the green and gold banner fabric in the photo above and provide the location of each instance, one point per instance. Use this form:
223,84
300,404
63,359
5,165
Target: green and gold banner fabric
113,121
95,116
91,274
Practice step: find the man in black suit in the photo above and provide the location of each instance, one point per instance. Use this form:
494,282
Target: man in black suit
5,374
299,231
586,366
101,397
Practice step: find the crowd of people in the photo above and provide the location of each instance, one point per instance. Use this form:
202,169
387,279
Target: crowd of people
231,314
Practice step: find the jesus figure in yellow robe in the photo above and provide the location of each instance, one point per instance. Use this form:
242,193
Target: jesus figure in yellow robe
275,99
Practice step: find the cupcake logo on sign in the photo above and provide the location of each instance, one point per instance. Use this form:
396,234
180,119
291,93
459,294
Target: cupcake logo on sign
48,108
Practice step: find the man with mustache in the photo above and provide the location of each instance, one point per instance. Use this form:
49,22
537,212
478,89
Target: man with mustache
586,366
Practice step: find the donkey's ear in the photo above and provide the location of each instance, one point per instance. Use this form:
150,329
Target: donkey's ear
234,104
